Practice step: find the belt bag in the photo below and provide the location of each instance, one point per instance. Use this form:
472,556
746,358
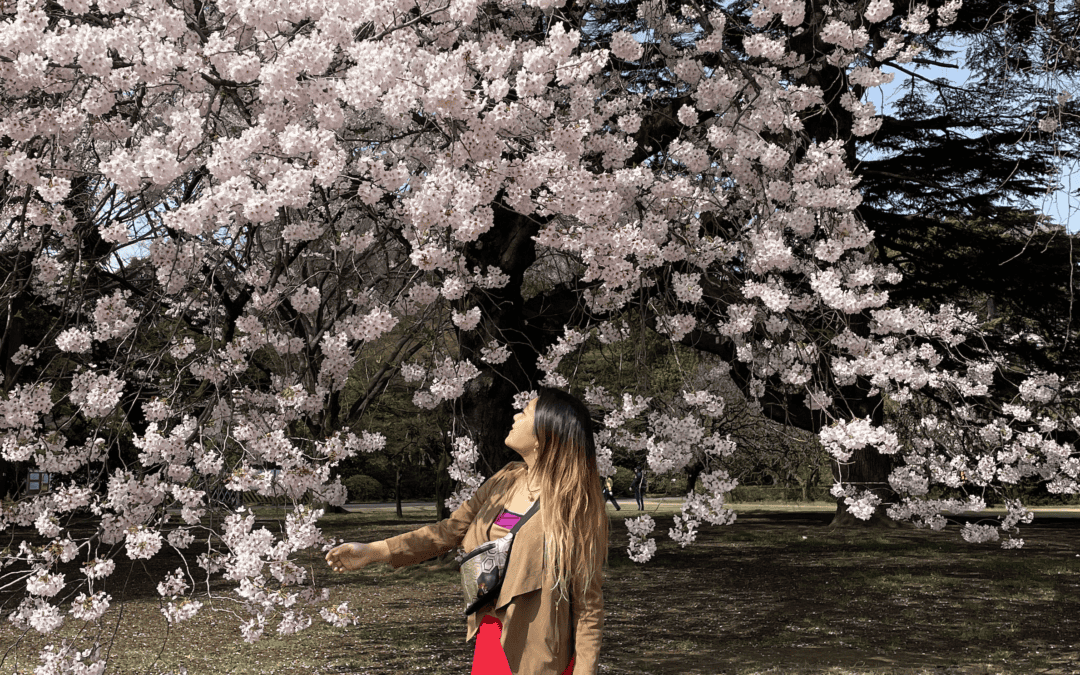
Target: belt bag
484,568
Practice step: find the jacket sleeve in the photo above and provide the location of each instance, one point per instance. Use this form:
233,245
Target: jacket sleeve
587,623
432,540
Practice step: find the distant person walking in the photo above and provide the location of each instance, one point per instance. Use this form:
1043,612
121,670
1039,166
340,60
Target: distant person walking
639,487
608,495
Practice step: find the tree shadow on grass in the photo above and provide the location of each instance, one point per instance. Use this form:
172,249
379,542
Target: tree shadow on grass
782,590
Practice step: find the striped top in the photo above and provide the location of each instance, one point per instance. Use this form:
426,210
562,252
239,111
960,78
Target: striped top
507,519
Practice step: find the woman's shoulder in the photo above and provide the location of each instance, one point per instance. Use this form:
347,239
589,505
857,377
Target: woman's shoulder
501,480
506,476
493,486
510,472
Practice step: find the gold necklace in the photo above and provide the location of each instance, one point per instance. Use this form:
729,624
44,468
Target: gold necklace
530,491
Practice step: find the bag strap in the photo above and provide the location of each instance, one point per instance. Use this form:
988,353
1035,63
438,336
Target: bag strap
528,514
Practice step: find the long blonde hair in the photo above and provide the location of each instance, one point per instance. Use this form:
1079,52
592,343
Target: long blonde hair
571,505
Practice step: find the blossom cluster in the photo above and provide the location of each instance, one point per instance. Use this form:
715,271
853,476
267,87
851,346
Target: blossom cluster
462,469
642,547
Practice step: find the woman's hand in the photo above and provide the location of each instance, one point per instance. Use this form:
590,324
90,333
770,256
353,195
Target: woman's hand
354,555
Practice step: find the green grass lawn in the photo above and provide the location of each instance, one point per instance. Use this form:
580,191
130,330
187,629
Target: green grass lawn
776,592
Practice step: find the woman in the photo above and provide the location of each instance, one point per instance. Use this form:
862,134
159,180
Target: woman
549,615
609,486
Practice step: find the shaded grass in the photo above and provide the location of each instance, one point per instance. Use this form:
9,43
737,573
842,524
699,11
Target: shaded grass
777,592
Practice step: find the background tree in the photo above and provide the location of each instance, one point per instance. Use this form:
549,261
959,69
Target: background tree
952,181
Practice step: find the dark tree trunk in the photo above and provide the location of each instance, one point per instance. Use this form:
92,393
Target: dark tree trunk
397,491
486,406
443,486
692,474
488,415
868,469
806,483
12,476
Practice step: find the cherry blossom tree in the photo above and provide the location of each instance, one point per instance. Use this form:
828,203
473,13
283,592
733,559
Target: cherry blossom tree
214,211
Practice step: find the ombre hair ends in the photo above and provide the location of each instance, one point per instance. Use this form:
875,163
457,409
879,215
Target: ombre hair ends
571,504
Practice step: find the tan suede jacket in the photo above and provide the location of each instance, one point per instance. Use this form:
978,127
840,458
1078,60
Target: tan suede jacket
540,633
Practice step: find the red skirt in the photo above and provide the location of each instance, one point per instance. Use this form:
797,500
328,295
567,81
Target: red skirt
489,658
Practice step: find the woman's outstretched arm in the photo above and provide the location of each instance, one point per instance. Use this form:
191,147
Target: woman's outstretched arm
427,542
416,546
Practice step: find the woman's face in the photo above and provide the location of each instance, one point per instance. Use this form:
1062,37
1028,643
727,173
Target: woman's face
522,438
